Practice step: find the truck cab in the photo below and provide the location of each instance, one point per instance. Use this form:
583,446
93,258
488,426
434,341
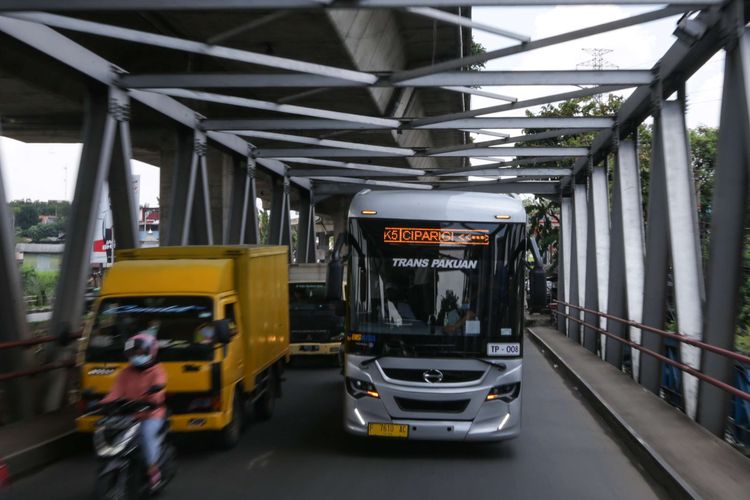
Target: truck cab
315,328
220,317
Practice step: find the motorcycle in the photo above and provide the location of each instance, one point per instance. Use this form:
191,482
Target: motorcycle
122,471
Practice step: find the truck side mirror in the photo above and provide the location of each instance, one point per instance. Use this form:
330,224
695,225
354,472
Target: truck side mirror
221,329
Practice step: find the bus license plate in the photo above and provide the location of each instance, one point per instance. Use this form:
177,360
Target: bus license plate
388,430
513,349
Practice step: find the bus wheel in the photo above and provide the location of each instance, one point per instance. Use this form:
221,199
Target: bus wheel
230,435
265,404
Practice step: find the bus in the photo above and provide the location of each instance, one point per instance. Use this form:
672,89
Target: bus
434,315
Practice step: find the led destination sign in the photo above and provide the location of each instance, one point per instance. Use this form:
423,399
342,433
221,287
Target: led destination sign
433,236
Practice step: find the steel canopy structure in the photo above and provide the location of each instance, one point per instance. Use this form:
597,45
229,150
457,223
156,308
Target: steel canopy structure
304,93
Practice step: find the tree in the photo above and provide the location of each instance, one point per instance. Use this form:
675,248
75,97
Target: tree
26,216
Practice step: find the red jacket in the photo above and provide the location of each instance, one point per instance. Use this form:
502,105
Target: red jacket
132,383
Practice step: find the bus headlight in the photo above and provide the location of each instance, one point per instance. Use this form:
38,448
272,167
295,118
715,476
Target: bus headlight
506,392
359,388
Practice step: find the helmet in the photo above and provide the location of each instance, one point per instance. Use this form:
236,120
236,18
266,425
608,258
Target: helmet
141,350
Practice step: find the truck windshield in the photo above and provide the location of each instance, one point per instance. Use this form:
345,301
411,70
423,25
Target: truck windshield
182,326
426,286
306,296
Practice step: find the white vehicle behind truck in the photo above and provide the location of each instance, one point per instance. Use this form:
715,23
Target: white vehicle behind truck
315,329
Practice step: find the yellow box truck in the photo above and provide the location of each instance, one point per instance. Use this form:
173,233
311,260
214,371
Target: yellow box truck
221,318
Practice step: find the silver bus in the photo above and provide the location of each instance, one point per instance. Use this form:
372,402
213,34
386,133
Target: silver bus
434,316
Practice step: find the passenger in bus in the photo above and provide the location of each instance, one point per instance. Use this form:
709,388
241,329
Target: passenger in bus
451,317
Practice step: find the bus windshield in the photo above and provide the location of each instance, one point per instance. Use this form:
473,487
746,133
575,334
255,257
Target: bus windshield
436,283
182,326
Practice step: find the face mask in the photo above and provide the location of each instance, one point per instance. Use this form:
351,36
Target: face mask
140,360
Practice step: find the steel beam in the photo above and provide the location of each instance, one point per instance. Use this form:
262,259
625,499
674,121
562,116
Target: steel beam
355,166
519,172
235,232
359,122
392,184
510,140
99,137
564,96
482,93
201,230
12,314
466,22
725,266
341,172
657,262
153,39
535,44
323,142
564,259
485,152
628,77
244,5
244,102
306,228
231,81
120,179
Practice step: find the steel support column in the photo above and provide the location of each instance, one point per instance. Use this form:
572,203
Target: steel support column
578,259
12,313
632,232
306,228
280,228
201,226
657,262
597,256
684,239
190,220
99,136
120,180
564,259
238,204
616,303
727,225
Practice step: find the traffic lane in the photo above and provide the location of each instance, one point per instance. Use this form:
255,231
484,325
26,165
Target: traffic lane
302,452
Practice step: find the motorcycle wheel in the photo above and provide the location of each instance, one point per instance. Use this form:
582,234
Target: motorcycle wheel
115,485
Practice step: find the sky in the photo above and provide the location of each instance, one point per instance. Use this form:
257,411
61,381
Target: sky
48,171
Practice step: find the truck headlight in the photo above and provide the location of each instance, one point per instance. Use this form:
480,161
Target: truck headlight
359,388
506,392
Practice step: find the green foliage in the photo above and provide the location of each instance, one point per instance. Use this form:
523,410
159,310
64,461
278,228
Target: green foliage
39,285
26,216
41,232
476,49
544,221
264,217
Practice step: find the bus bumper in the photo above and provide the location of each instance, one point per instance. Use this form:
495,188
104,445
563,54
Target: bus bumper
496,421
314,348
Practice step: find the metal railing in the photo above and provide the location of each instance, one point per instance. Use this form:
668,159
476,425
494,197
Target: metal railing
26,343
680,338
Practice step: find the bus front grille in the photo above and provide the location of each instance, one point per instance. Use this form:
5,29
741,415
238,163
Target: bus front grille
420,405
449,376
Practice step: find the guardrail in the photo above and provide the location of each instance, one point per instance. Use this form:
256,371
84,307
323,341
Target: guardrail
674,336
26,343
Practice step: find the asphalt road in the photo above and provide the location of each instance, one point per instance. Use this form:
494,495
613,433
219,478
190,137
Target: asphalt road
302,453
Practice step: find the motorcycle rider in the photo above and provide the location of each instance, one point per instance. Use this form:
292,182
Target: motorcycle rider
134,383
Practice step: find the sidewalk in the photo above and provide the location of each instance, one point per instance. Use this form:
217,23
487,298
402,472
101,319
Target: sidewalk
28,445
680,454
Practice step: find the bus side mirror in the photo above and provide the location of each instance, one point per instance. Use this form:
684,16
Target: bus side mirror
221,328
335,272
537,290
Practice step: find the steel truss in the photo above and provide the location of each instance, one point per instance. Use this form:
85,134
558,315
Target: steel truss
608,259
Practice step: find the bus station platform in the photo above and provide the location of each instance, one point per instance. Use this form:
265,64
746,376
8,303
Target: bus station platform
681,455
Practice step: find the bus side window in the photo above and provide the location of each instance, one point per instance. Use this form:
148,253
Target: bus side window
229,314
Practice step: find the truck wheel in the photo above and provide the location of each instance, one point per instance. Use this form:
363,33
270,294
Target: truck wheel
266,402
230,435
